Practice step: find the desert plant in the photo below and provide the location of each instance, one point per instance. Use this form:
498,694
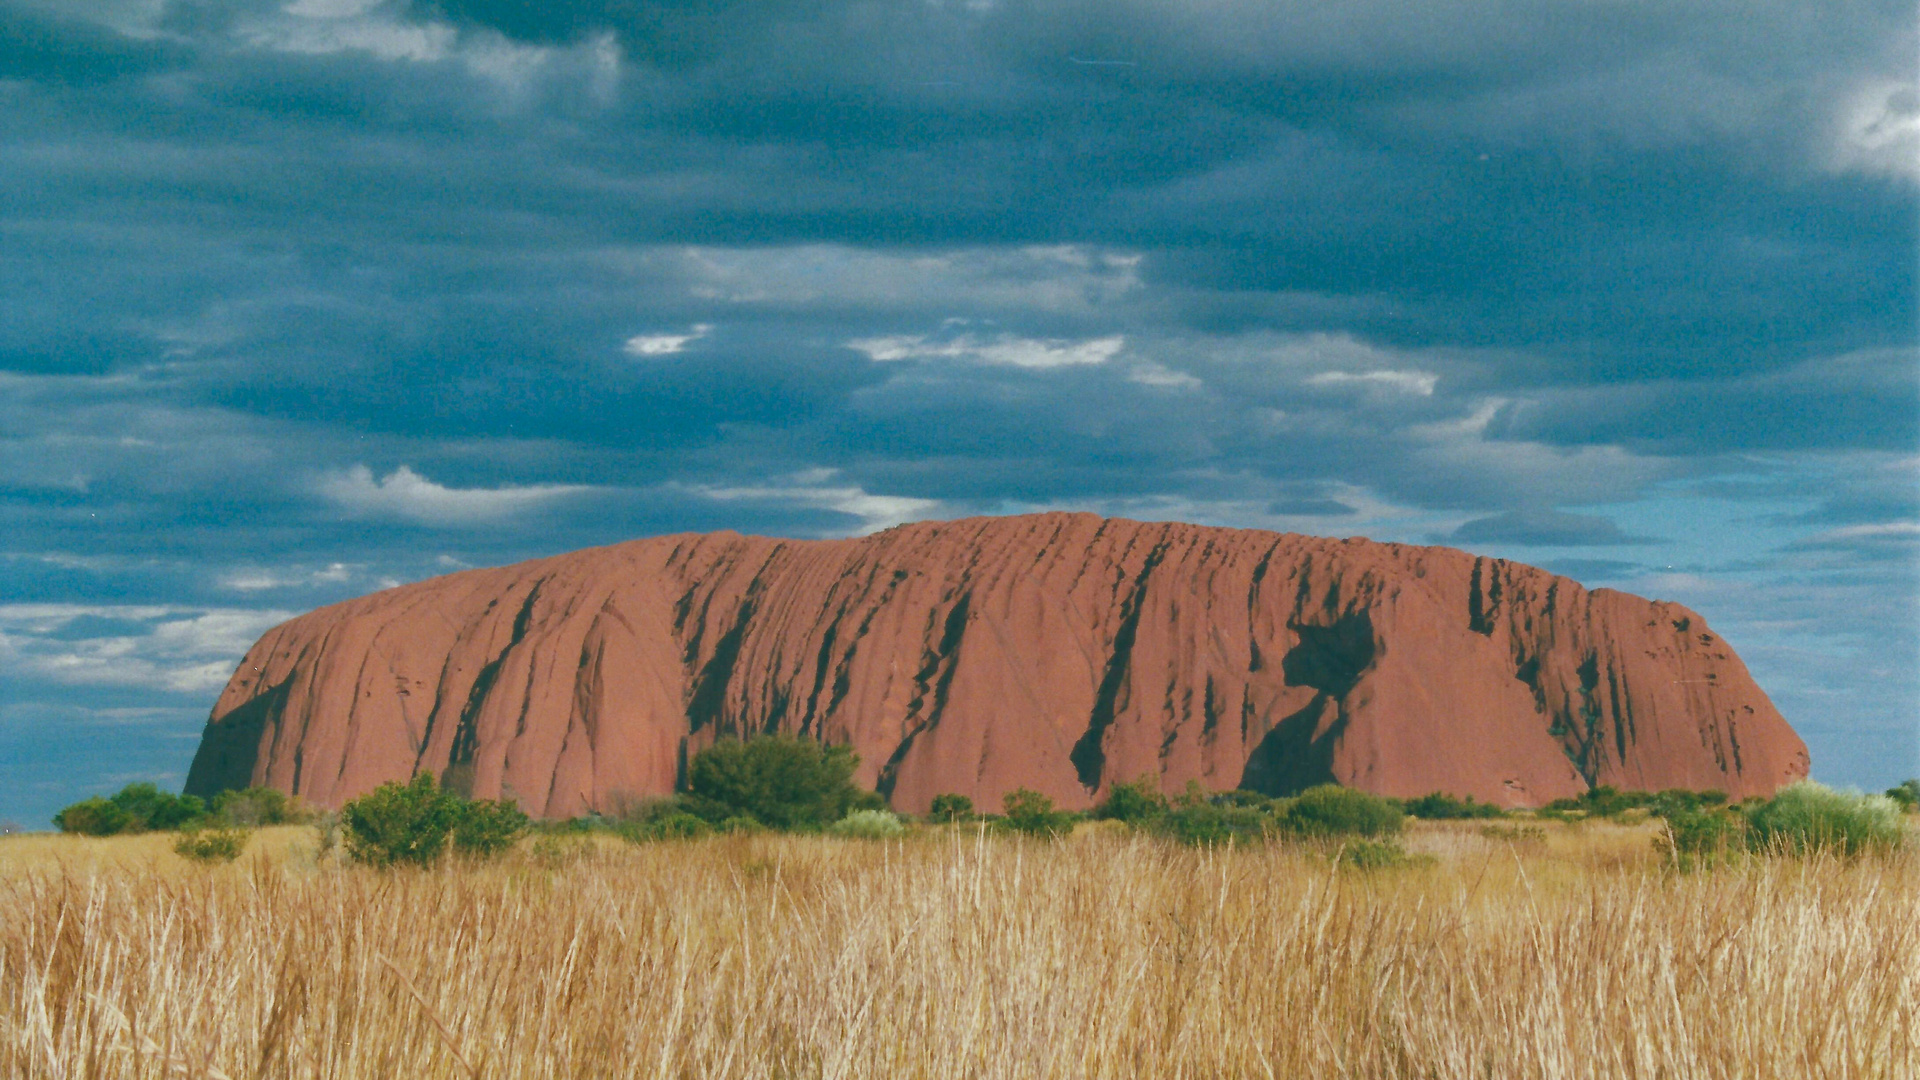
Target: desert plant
1329,810
1369,854
211,845
400,823
950,808
484,828
1136,802
779,781
1806,817
1906,794
138,807
94,817
674,825
257,806
1439,806
1033,814
868,825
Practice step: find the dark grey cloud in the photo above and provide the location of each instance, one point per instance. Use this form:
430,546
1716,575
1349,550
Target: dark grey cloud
1543,528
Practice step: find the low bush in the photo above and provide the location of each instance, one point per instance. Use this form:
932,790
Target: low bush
484,828
556,849
1524,836
1330,810
94,817
1701,838
139,807
211,845
1806,817
950,808
674,825
868,825
400,823
1369,855
412,823
1136,802
779,781
254,807
1907,795
1439,806
1205,822
1033,814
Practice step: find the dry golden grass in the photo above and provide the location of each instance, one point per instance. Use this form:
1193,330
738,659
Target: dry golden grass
954,955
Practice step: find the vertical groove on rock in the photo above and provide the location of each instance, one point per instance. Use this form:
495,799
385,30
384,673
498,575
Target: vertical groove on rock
1089,757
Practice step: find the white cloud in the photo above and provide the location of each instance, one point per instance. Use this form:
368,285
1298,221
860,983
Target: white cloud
1418,383
406,494
253,578
1005,349
1163,377
813,489
1879,131
664,344
180,650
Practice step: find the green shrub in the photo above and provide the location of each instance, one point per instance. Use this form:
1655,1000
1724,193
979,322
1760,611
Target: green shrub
211,845
257,806
950,808
777,780
484,828
138,807
1032,813
1440,806
94,817
868,825
1699,838
400,823
556,849
1369,854
675,825
1906,794
1136,802
1807,817
1330,810
1525,836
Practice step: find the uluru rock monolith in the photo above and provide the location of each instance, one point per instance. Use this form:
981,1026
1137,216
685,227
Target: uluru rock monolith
1058,652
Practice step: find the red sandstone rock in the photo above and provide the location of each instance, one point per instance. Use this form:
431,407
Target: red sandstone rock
1060,652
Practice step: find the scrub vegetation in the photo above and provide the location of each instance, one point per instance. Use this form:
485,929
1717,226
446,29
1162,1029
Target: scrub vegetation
1209,934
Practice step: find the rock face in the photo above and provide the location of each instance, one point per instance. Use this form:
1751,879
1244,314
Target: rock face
1059,652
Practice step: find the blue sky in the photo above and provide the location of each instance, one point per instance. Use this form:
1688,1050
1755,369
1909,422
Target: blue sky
303,299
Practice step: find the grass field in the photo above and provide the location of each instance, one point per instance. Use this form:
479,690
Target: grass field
951,954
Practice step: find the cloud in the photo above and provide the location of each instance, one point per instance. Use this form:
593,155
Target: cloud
173,650
1004,349
664,344
1879,131
1543,528
1418,383
254,579
407,495
813,489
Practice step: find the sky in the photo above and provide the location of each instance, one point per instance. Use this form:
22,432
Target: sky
299,300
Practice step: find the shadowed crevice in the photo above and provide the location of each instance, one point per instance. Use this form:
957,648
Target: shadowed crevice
230,746
1089,756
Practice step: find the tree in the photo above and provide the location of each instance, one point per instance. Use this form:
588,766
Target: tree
780,781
